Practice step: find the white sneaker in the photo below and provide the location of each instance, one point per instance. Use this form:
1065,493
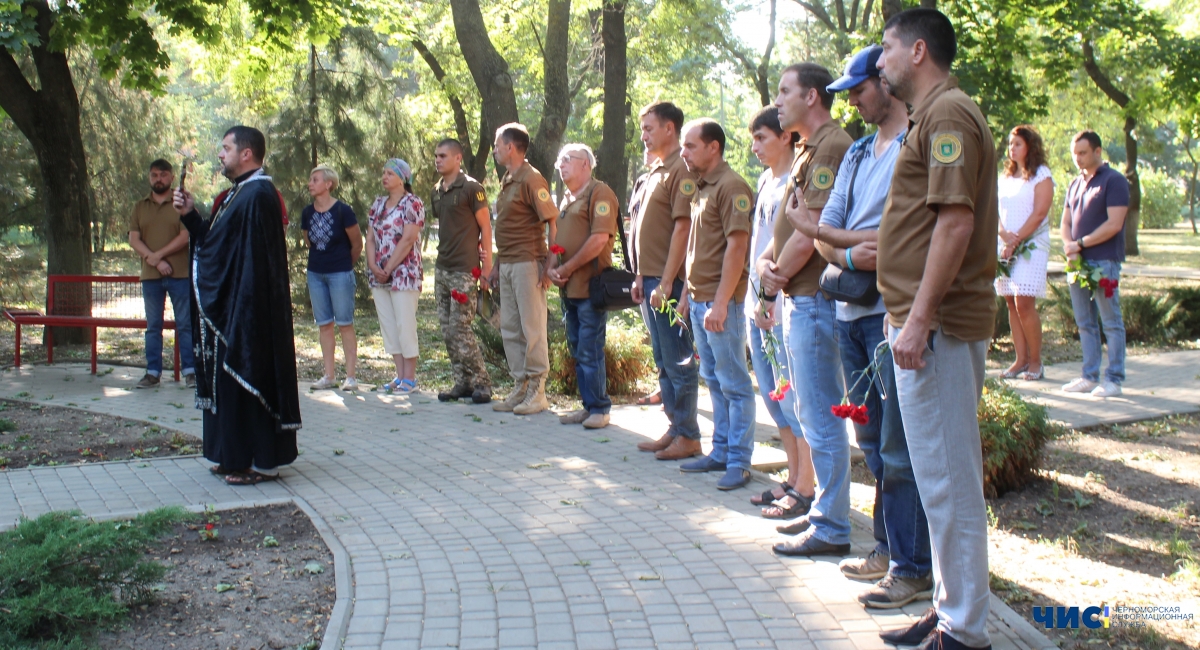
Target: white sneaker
1109,389
1080,385
325,383
350,385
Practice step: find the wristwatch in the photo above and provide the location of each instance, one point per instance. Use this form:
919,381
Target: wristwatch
1080,242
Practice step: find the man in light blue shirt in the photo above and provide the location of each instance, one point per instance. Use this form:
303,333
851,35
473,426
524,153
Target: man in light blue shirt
846,236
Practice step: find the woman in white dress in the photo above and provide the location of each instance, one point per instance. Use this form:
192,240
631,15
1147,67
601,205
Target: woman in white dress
1026,190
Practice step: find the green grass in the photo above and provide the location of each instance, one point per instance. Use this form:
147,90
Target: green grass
1176,247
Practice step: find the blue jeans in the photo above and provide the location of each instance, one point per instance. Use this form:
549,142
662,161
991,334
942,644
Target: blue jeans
678,378
1093,311
782,412
154,297
723,367
811,340
332,296
901,529
585,337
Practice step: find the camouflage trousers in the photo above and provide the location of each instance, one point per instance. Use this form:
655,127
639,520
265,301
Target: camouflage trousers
455,318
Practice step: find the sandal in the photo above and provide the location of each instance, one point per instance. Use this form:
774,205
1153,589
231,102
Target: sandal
1033,376
651,399
769,496
1013,374
220,470
250,478
800,507
392,386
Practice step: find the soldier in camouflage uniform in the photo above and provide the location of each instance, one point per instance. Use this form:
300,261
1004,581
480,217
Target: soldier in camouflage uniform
464,256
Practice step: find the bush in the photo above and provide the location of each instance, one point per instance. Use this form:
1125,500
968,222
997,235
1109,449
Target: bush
1013,433
627,361
1162,200
62,576
1187,322
1058,304
1149,318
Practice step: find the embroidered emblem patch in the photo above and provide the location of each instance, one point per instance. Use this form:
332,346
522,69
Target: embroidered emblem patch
822,178
480,196
741,203
602,209
687,187
947,148
543,194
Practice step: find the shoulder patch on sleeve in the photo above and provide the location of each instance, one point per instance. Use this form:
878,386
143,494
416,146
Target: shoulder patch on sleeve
822,178
603,208
480,196
741,203
946,147
687,187
543,194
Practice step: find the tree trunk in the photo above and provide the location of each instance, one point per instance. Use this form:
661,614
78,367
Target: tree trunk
49,119
460,115
556,103
1119,98
488,68
1192,182
312,101
610,166
891,8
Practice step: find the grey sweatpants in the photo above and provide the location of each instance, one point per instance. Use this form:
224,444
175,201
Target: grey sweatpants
939,405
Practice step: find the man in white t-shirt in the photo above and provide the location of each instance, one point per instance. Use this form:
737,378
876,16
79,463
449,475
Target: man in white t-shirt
775,149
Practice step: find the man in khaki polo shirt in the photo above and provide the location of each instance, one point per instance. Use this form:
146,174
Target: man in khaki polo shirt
810,334
660,219
586,227
158,237
936,262
717,275
524,210
460,206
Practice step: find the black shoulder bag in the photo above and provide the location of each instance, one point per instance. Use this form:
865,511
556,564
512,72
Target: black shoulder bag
854,287
612,288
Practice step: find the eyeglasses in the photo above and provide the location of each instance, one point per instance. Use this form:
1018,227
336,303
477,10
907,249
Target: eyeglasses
568,158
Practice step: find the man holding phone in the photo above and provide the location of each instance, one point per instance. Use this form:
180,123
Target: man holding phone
156,234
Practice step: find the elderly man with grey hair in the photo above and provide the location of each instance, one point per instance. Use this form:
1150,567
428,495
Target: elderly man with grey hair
583,244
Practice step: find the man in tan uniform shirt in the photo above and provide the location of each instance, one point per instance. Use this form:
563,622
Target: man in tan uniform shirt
717,275
524,210
937,261
586,228
660,215
809,331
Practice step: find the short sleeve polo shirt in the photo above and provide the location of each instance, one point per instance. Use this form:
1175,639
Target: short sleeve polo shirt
813,173
454,206
722,205
522,210
948,158
593,212
664,196
1088,202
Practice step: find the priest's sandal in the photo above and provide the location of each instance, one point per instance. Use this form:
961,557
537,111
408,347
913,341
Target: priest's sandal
220,470
250,478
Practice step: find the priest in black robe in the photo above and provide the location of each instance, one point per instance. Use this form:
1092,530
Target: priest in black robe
242,319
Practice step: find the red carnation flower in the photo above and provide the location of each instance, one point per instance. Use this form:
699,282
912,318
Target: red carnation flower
1109,285
842,410
458,296
476,272
859,415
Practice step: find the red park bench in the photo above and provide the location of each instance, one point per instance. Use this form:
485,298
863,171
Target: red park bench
89,302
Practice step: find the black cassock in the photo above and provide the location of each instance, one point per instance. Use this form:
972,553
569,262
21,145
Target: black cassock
242,329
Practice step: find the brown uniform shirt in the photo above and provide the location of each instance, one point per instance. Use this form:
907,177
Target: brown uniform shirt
721,205
454,207
594,211
157,225
665,196
813,172
522,210
948,158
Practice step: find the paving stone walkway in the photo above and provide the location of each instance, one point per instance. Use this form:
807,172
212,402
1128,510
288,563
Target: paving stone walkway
473,529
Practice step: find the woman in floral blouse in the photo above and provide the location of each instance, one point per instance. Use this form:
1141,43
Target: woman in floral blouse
394,265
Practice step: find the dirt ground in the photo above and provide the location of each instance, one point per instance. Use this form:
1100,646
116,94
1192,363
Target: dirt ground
1111,519
265,581
33,435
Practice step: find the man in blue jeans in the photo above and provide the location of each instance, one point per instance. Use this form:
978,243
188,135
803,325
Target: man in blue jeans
660,219
1093,227
156,234
717,275
809,332
586,225
847,236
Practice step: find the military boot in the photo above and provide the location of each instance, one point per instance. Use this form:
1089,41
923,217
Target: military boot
514,398
535,398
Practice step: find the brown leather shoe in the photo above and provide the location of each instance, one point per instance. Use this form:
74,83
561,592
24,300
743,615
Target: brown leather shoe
682,447
658,445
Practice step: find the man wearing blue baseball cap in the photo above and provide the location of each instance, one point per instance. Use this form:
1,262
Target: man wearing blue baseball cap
847,235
